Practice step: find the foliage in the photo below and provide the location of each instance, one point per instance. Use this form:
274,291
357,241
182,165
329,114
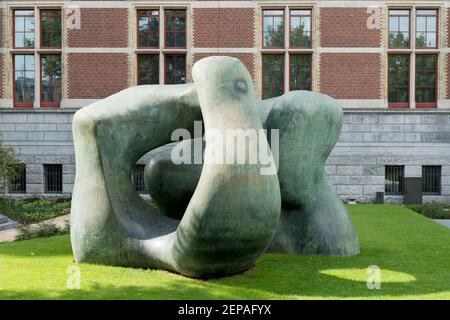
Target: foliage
42,230
33,210
433,210
10,167
411,251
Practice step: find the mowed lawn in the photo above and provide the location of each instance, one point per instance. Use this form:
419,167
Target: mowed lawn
412,251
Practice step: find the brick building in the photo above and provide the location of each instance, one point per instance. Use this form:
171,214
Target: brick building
386,62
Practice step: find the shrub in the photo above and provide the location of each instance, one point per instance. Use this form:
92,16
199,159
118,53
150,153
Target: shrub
42,230
33,210
433,210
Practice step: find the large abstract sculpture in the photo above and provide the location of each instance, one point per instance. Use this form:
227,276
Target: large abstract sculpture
216,219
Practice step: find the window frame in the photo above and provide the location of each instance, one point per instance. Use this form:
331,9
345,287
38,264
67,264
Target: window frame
439,187
436,31
137,26
310,27
284,26
427,105
283,70
136,168
45,184
185,27
40,26
310,68
410,10
167,54
17,104
14,27
400,183
400,105
45,104
138,74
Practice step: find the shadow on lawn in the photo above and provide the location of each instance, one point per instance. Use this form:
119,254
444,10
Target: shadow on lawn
275,277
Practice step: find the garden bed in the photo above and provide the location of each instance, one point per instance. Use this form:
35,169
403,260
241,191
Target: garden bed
29,211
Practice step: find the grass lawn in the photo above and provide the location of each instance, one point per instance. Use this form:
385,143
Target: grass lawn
412,251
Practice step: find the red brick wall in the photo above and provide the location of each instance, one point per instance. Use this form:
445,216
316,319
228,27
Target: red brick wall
347,27
227,28
1,28
448,76
101,28
96,75
350,75
2,68
246,58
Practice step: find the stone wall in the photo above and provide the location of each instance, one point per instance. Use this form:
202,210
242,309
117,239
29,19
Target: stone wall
370,140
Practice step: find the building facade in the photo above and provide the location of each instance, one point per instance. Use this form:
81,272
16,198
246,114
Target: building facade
386,62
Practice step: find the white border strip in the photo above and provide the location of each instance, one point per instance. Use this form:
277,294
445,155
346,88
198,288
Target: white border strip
225,50
350,50
76,103
362,103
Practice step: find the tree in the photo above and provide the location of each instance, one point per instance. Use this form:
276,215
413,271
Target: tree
10,167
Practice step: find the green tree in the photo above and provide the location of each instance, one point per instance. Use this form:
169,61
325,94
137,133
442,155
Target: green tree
10,167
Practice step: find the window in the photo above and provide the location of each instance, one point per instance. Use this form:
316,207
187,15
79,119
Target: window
273,28
18,184
52,178
394,180
148,28
138,177
426,78
300,72
273,75
431,180
399,23
50,80
50,28
23,81
175,28
398,79
24,29
300,28
426,28
148,65
175,69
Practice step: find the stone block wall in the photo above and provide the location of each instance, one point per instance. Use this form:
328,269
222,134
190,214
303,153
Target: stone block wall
369,141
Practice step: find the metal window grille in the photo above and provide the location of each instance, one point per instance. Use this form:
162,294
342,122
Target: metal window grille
394,179
138,177
18,184
53,178
431,180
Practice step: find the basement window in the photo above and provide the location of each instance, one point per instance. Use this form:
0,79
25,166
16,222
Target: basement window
394,180
431,180
18,184
53,178
138,178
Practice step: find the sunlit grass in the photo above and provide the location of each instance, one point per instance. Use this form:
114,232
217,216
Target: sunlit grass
412,252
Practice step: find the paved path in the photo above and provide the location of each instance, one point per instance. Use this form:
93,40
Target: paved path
10,234
443,222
